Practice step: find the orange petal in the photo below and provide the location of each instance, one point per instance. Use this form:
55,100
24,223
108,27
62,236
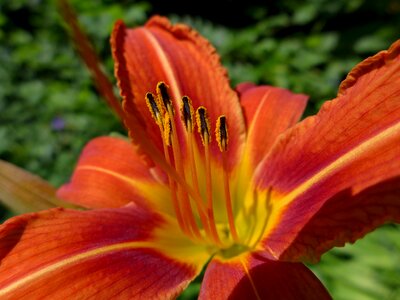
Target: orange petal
251,276
110,174
25,192
179,56
120,253
350,145
268,112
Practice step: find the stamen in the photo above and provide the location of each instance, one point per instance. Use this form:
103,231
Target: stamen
183,191
187,113
171,136
175,202
221,134
165,131
165,99
203,126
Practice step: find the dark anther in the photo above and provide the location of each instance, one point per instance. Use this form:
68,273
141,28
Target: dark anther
222,129
153,104
203,121
186,111
163,89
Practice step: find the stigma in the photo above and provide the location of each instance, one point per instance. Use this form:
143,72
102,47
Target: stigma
187,151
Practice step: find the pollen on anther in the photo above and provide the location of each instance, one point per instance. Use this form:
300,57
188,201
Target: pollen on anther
203,124
221,133
187,113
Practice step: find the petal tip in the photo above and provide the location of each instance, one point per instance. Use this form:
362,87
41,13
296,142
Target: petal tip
376,61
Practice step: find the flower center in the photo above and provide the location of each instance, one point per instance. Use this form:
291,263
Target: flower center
191,172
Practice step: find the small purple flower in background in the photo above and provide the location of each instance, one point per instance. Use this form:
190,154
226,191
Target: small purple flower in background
57,124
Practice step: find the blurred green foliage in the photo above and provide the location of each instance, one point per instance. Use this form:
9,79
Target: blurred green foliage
49,107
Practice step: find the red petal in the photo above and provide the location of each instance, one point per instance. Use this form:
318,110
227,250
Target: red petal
351,145
183,59
120,253
110,174
268,112
255,277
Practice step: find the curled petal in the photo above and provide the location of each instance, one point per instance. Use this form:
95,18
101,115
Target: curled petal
179,56
111,174
376,62
345,218
252,276
123,253
351,145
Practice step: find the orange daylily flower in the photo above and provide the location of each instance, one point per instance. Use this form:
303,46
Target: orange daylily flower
214,177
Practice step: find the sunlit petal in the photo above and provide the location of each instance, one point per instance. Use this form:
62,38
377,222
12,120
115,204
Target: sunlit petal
120,253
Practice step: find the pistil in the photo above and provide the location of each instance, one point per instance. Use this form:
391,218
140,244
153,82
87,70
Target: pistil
203,125
187,113
221,134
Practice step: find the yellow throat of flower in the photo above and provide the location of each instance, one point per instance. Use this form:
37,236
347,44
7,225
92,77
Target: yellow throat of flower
191,181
